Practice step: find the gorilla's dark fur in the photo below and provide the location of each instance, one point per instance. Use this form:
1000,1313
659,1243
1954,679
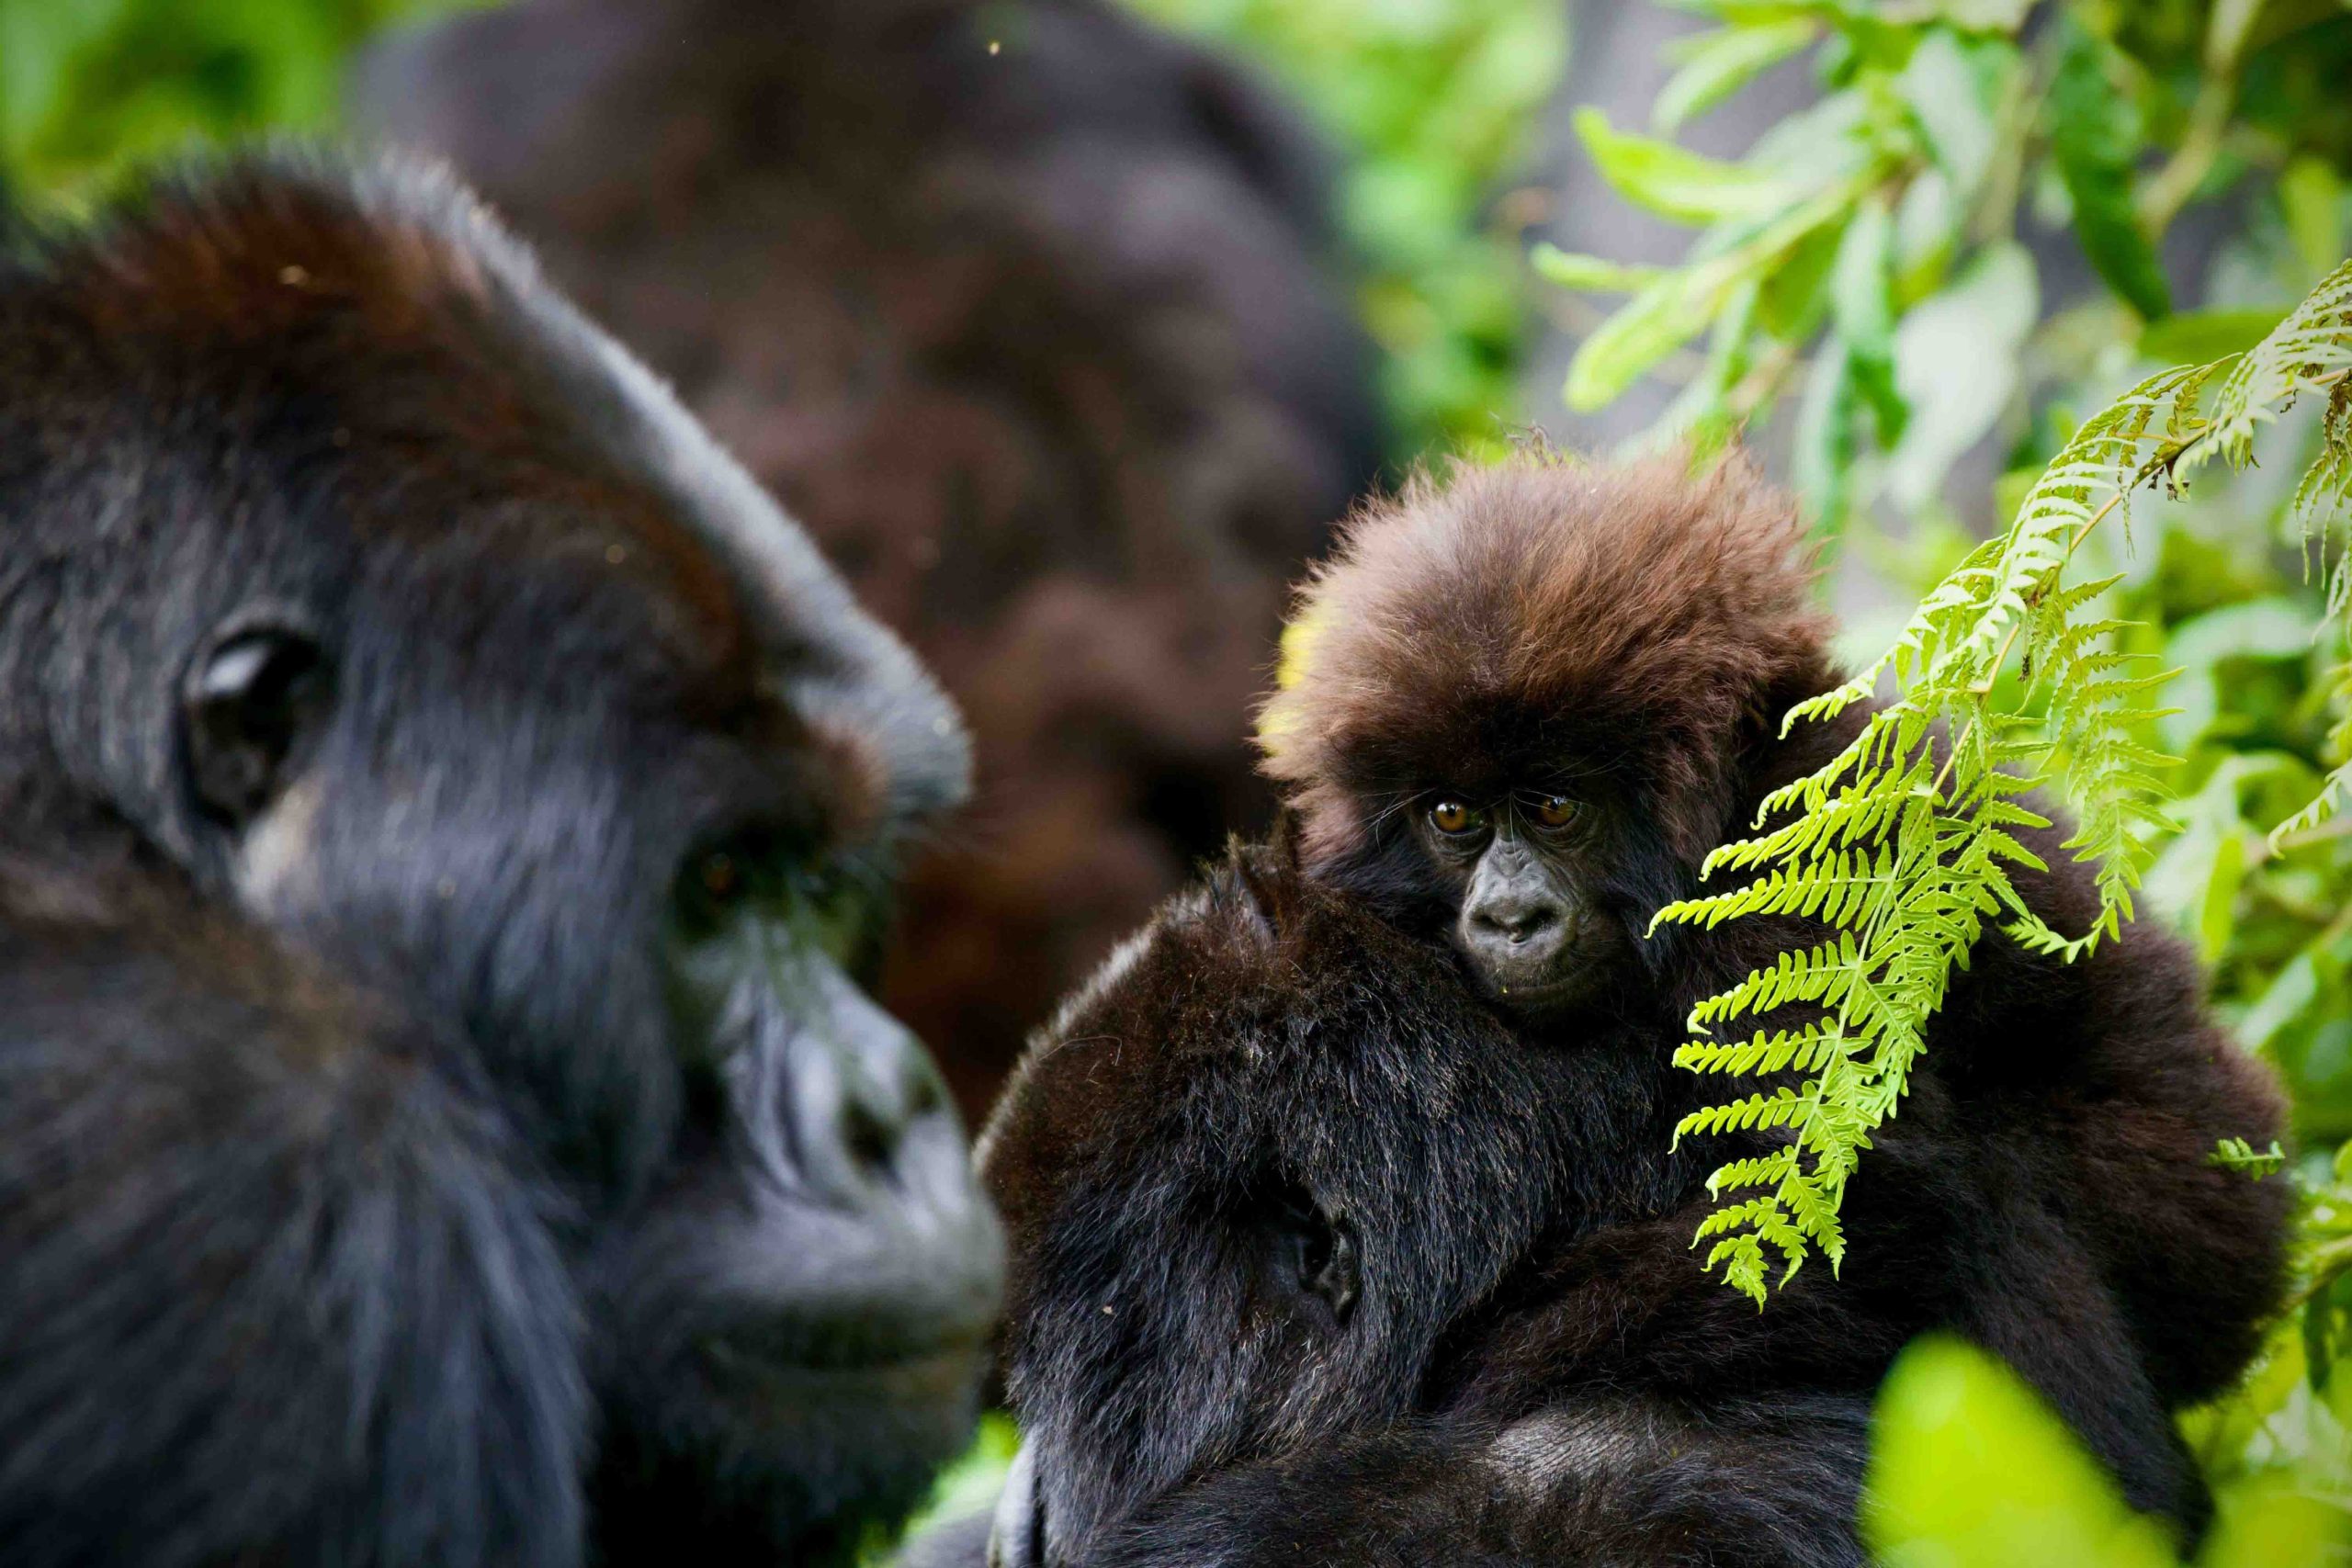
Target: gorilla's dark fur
442,802
1319,1256
1026,310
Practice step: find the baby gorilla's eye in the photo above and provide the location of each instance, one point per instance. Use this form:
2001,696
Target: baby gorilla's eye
1453,817
1552,810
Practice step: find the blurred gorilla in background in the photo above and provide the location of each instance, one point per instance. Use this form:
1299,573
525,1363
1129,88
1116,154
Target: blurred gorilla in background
1026,310
447,813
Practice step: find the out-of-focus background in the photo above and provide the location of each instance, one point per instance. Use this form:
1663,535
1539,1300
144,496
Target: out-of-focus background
1070,328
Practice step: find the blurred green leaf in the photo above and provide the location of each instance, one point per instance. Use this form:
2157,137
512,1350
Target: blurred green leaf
1589,275
90,86
1969,1469
2198,337
1676,183
967,1487
1956,367
1680,304
2315,971
1795,298
2270,1525
1715,65
1653,323
1821,453
1985,15
1862,296
2094,138
1951,97
2198,877
2311,198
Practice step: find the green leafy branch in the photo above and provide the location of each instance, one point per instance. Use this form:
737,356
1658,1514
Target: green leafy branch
1907,841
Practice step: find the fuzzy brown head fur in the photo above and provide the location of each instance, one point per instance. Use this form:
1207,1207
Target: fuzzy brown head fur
1545,613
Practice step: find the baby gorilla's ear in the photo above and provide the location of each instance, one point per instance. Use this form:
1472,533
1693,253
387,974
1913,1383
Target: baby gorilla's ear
248,701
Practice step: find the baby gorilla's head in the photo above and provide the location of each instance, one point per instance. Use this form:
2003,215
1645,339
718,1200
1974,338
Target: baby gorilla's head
1522,706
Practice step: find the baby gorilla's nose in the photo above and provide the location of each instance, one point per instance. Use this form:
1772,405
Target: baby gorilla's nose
1519,921
1515,934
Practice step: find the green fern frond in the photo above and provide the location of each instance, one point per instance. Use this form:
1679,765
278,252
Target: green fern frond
1903,846
2236,1154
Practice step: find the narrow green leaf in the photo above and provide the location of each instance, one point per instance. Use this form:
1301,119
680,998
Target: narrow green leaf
1822,450
2094,139
1681,303
1677,182
1956,367
1587,274
1861,304
1715,65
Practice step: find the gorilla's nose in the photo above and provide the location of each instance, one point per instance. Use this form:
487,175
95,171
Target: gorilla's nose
872,1117
1522,925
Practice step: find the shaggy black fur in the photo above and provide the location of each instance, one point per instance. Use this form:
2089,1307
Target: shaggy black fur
1028,312
442,804
1324,1255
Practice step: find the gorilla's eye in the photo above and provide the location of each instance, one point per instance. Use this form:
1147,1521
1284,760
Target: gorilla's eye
780,874
1453,817
1552,810
244,706
720,878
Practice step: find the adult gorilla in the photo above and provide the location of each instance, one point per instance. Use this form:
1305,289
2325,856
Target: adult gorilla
1027,311
445,808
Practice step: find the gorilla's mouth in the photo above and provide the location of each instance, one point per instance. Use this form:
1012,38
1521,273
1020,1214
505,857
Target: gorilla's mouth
1541,987
838,1354
1573,975
943,1378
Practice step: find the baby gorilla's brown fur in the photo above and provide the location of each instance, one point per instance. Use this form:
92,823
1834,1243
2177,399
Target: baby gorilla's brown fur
1516,1356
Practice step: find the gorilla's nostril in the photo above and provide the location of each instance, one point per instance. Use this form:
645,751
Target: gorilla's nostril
871,1144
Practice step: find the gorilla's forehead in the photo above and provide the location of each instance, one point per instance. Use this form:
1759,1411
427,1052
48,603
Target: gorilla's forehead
387,345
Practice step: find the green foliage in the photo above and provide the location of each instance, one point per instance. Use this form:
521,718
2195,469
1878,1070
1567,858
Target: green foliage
2157,637
1868,241
967,1487
1940,133
1903,843
1970,1470
89,85
1431,100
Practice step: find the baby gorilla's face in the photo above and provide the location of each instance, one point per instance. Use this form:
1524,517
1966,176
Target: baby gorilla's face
1252,1175
1527,917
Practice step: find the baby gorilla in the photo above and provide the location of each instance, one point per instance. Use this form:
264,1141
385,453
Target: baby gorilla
1346,1229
